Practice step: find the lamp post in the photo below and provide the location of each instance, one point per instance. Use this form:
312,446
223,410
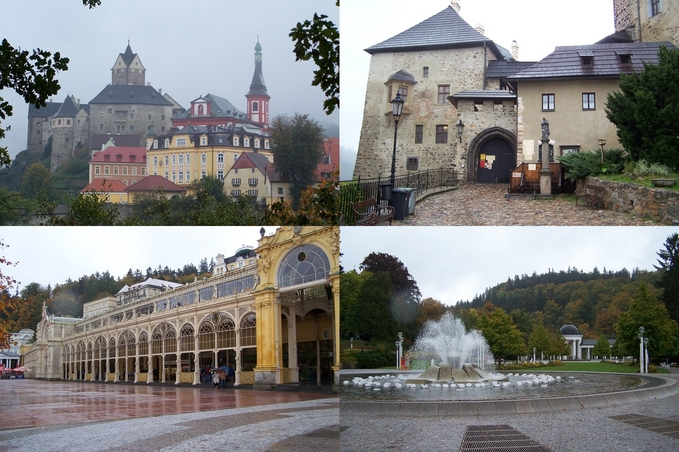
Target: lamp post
460,129
641,349
533,354
646,355
396,111
601,143
351,342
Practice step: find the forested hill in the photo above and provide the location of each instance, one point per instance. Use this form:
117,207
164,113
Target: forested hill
66,300
594,298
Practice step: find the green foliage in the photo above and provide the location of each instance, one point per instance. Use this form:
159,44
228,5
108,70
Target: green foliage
374,358
297,147
503,337
318,206
37,182
88,209
602,347
645,310
29,75
350,309
646,111
579,165
527,365
372,318
319,40
642,169
668,266
14,209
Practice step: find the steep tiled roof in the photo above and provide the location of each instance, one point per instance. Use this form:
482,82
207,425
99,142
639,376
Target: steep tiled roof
43,112
444,30
68,109
251,160
130,94
331,158
503,69
105,185
618,36
220,108
153,182
474,94
128,56
125,153
566,61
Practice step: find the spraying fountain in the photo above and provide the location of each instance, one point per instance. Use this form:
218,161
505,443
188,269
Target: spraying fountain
461,355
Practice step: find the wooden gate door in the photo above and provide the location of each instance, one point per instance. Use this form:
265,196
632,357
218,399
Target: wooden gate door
496,162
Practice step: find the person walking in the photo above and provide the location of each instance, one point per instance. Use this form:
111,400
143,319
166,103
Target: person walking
215,378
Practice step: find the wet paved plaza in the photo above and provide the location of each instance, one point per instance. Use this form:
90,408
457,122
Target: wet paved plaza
487,205
83,416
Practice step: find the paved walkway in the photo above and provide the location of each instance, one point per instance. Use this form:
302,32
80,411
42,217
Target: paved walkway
487,205
644,425
58,416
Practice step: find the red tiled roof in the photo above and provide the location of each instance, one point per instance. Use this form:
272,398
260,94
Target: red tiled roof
154,182
331,148
252,160
105,185
124,152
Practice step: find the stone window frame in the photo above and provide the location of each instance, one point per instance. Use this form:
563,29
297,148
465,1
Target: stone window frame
419,133
589,101
654,7
441,133
425,72
549,101
443,93
412,163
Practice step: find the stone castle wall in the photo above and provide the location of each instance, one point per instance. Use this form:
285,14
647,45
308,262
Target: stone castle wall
462,69
133,119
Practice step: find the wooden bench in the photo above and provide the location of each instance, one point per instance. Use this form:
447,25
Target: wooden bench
593,194
368,213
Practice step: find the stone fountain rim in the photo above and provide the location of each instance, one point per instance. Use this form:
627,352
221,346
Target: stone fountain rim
668,387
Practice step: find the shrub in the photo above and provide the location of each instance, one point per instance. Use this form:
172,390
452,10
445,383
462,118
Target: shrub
373,359
579,165
642,168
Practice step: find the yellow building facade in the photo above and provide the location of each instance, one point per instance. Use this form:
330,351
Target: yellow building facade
275,322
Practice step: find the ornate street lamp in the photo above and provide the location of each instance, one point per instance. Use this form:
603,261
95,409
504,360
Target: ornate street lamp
399,350
396,111
641,349
460,129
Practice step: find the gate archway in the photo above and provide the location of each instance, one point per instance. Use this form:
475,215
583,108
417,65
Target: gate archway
492,156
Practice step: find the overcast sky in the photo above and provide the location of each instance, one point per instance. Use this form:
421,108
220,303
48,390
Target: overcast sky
189,48
537,25
53,255
456,263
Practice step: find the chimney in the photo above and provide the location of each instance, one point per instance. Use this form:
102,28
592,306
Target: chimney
480,28
515,50
160,90
455,4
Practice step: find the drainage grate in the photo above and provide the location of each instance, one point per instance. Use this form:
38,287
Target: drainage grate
498,438
653,424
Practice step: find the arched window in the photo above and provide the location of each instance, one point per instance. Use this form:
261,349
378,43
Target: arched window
201,110
303,264
226,333
206,336
255,106
143,343
186,339
248,331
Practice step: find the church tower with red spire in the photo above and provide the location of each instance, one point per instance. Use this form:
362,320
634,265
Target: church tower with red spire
257,97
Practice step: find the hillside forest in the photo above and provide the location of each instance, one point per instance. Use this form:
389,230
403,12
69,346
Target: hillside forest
382,299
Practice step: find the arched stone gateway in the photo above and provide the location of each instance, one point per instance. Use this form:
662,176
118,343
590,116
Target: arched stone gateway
492,156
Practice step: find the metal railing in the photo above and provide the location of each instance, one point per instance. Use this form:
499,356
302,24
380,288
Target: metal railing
362,189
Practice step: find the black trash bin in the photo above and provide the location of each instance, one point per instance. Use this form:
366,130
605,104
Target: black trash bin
385,192
400,203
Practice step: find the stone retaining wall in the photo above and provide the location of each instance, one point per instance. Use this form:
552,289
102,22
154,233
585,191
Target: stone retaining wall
657,204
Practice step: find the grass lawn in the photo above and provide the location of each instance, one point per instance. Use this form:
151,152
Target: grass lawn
594,367
644,181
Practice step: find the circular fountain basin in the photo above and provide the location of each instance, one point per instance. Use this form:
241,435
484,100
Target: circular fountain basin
564,384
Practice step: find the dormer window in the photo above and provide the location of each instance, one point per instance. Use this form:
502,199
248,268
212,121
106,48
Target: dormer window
235,141
167,142
246,142
155,144
257,142
625,57
203,141
586,57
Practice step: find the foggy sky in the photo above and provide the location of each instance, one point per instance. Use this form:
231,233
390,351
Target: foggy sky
456,263
189,49
52,255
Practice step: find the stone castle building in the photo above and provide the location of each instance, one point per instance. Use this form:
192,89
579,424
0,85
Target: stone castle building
440,57
647,20
273,317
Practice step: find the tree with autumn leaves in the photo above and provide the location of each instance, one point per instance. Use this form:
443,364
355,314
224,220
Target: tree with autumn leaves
8,301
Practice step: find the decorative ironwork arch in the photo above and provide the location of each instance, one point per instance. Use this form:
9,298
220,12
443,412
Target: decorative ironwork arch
303,264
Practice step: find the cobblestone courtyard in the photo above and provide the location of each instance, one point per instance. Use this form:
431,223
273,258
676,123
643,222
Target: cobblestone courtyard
487,205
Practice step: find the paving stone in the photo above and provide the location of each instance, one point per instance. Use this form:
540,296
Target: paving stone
487,205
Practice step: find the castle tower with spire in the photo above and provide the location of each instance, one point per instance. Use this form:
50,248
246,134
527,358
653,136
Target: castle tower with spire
257,97
128,69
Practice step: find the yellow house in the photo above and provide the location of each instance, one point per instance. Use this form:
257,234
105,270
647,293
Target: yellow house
195,152
113,191
248,176
569,88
